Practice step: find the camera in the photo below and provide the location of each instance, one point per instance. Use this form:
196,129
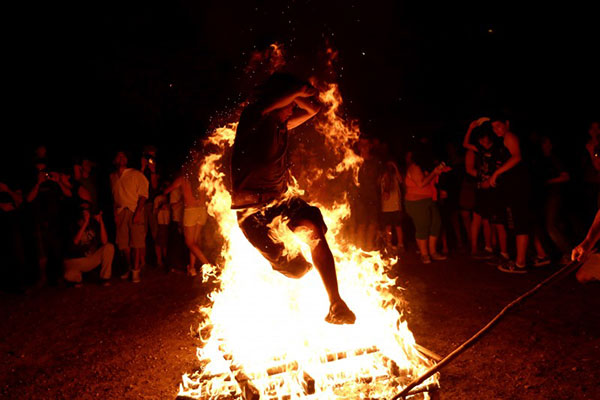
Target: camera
597,151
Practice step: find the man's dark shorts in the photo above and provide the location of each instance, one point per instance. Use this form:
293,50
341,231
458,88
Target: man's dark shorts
255,228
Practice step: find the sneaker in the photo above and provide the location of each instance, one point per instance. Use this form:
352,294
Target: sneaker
482,255
125,275
438,257
135,276
541,261
340,314
498,259
511,267
105,283
425,259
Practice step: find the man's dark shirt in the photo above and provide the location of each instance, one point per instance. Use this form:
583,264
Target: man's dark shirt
259,160
47,204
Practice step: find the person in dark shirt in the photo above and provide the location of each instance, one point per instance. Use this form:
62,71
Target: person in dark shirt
45,199
367,202
259,172
550,178
88,247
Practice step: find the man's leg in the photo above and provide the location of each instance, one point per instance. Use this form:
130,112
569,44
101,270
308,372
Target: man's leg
75,266
107,255
191,234
324,263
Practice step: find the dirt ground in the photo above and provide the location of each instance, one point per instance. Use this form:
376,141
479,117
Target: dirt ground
131,341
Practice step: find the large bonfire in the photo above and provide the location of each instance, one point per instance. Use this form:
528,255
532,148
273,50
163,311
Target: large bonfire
263,335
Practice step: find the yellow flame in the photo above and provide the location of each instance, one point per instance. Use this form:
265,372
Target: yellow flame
261,322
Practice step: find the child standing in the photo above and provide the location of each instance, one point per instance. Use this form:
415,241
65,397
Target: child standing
391,206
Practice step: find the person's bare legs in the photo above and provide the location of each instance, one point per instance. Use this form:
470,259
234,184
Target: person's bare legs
422,245
159,255
432,242
502,241
339,313
539,248
487,234
522,243
190,234
454,219
400,237
126,253
370,236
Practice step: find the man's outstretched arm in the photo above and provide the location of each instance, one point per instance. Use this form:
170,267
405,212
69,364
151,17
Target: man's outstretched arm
307,110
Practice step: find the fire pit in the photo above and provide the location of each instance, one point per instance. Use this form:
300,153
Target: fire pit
263,334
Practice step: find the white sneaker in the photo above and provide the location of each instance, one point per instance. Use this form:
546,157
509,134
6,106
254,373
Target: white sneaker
135,276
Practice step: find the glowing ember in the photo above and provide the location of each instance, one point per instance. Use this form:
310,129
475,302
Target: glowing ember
264,334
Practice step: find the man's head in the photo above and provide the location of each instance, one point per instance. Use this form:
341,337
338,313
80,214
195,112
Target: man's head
484,135
546,145
120,160
500,124
40,151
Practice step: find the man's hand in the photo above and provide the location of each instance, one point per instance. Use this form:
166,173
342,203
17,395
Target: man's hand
493,179
307,91
582,251
54,176
478,122
138,218
86,217
152,166
98,217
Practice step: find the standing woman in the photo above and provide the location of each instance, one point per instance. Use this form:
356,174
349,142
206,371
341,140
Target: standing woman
420,204
391,206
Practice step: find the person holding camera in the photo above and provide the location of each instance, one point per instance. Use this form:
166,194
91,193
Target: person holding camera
45,198
421,205
88,248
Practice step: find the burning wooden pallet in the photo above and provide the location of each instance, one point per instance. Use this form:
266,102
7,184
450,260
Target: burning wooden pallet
275,380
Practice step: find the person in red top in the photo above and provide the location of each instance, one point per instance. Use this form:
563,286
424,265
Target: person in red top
420,204
259,172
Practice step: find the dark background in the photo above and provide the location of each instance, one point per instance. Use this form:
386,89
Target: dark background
92,76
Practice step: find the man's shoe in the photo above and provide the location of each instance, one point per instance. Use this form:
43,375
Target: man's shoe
438,257
191,270
425,259
135,276
541,261
511,267
125,275
340,314
482,255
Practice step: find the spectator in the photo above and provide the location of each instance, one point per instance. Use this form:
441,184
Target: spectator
46,195
176,203
12,251
87,187
149,168
163,218
551,179
130,191
591,167
367,201
590,270
195,214
88,247
483,159
514,186
421,206
391,207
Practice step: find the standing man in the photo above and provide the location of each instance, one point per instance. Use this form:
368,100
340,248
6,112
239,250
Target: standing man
149,169
130,192
260,176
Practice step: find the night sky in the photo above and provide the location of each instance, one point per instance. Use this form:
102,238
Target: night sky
92,76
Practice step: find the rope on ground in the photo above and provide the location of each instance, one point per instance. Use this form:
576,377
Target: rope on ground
564,271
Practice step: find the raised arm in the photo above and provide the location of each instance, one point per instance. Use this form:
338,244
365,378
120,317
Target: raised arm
287,98
307,108
176,183
467,140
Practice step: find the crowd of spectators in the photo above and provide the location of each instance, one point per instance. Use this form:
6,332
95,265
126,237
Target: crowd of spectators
504,198
509,200
65,222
